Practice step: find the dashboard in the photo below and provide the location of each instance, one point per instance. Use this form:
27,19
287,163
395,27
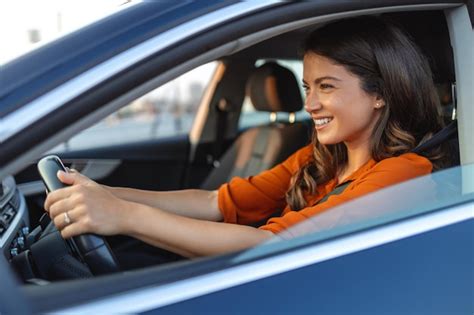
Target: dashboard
39,255
14,220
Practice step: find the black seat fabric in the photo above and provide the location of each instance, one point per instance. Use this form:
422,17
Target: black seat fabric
271,88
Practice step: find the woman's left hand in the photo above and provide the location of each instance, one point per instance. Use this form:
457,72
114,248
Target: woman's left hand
85,207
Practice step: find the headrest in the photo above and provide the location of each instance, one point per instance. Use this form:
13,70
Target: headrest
273,88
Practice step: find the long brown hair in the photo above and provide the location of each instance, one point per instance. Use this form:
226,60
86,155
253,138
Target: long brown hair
388,65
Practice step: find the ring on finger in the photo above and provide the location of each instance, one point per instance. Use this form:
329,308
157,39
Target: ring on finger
67,219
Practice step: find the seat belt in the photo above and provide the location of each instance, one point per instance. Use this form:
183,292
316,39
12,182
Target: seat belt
336,191
223,108
438,138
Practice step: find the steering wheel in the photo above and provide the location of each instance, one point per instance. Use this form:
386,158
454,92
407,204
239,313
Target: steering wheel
78,257
95,252
91,249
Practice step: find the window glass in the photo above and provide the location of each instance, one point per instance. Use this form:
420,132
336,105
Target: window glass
250,117
427,194
164,112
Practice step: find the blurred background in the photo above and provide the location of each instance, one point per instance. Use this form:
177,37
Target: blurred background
167,111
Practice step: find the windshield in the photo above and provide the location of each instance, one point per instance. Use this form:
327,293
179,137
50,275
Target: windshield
47,20
413,198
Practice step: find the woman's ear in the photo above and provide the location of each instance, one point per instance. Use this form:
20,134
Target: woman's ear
379,103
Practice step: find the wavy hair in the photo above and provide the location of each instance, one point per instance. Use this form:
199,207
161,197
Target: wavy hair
389,65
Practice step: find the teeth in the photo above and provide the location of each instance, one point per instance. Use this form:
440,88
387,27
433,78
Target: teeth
322,121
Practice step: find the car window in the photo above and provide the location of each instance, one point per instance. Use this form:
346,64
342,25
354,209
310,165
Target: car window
251,118
427,194
164,112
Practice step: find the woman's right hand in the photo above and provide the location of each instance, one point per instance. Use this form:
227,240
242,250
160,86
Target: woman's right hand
85,207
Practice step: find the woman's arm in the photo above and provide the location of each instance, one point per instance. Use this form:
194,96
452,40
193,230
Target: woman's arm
94,209
192,203
189,237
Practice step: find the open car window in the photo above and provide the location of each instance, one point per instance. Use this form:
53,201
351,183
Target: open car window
167,111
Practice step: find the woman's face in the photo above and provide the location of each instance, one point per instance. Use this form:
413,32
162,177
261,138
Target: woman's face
341,110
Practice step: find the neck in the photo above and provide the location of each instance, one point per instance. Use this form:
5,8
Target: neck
357,155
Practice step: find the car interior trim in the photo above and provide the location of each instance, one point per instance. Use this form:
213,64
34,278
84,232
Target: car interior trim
143,300
20,218
198,126
31,188
254,38
53,99
462,39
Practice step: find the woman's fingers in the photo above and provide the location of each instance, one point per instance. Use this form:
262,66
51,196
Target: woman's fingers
66,218
60,206
72,178
56,196
73,229
87,207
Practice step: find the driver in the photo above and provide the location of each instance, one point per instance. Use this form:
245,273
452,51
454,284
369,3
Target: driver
371,96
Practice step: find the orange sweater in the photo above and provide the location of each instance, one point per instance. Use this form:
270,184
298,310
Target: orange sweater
249,200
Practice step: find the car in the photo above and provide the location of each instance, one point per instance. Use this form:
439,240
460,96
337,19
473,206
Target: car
109,100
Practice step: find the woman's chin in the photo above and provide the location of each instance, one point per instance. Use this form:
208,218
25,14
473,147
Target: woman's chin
327,141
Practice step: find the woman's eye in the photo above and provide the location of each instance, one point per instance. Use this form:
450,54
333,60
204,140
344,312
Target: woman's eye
325,86
306,89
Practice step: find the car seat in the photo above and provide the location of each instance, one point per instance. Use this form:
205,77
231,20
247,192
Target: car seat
272,88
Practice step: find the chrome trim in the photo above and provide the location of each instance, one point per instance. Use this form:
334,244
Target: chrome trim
151,298
20,119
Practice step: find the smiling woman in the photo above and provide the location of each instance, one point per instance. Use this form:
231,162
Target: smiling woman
360,85
355,104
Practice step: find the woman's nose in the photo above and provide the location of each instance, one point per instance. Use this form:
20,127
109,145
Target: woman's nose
311,103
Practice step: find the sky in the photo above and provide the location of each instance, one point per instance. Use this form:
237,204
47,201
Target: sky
50,18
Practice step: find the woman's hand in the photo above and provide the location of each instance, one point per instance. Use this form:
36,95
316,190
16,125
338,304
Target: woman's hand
85,207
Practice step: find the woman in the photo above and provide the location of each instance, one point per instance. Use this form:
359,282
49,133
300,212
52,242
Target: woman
371,96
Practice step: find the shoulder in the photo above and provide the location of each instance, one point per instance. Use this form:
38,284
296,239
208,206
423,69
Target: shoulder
400,168
409,162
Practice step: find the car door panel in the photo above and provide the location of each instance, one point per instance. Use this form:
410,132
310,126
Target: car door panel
422,274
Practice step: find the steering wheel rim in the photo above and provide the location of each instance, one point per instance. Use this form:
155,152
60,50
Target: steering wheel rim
95,252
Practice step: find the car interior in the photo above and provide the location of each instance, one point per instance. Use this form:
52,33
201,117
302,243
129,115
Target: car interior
216,149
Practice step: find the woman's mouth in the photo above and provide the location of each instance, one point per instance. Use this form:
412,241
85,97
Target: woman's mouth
320,123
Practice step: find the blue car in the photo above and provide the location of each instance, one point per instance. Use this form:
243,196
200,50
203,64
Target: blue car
155,96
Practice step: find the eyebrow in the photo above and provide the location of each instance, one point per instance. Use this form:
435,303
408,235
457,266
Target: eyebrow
320,79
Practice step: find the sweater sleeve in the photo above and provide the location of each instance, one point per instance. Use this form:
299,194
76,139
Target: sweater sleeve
385,173
249,200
